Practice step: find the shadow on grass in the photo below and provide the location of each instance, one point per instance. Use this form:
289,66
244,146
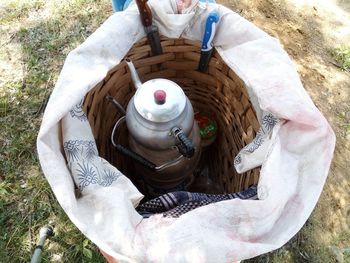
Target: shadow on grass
26,200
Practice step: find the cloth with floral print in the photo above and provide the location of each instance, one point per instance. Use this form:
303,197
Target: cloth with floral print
87,168
294,145
254,153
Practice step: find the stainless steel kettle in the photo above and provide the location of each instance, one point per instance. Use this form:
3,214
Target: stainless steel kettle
164,138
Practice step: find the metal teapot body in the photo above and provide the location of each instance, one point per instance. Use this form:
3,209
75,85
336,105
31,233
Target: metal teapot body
162,129
155,134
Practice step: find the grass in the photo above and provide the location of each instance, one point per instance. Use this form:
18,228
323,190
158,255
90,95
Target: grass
342,55
16,9
36,37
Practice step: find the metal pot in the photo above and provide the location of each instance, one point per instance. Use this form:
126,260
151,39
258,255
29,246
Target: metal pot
163,134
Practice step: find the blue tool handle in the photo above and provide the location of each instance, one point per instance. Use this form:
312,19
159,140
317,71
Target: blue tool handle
209,33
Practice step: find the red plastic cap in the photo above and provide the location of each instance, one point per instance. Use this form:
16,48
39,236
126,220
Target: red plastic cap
159,97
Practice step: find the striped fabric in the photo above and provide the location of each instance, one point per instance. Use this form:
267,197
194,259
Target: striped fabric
178,203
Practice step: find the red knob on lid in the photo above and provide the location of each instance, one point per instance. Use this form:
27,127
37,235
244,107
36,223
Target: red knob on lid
159,97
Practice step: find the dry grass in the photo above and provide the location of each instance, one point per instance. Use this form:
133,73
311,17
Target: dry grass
36,36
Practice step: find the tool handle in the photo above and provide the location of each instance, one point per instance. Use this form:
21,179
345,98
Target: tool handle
145,12
136,157
154,40
186,148
185,145
45,232
209,31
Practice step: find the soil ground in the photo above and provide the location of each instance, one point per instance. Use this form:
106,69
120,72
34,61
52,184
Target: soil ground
309,31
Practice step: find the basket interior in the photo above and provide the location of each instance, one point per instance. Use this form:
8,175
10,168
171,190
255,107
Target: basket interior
219,92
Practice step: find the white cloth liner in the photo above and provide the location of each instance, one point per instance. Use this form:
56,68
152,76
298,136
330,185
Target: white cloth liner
295,154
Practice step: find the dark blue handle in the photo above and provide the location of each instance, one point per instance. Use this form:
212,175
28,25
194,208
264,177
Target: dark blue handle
209,32
185,145
136,157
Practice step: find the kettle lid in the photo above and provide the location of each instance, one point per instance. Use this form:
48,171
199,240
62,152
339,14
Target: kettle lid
160,100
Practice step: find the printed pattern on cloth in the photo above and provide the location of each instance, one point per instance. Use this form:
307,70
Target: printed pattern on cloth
78,112
79,149
86,175
256,143
268,122
83,158
178,203
82,155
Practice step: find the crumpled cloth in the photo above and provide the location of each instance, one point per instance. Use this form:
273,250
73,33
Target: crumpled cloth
176,204
294,155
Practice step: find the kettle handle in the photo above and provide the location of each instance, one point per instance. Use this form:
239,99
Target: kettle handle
185,146
131,154
138,158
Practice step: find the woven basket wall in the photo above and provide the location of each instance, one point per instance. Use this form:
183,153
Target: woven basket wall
219,92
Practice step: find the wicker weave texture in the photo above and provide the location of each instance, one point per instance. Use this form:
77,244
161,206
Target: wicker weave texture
219,92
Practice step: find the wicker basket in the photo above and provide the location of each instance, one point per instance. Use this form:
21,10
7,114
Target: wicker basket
220,92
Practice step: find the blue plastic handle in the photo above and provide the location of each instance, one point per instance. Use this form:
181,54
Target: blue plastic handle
120,5
209,33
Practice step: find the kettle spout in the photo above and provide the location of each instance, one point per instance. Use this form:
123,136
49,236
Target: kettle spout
134,76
